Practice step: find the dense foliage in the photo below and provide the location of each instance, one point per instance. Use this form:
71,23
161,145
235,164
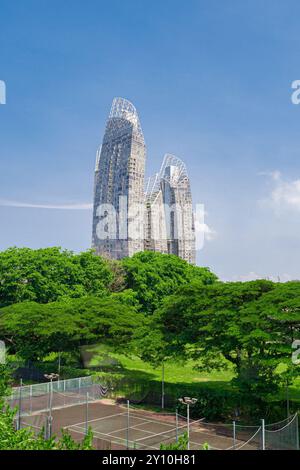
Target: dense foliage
157,306
251,325
33,330
154,276
49,274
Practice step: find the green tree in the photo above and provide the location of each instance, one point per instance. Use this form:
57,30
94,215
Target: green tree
49,274
251,325
153,276
33,330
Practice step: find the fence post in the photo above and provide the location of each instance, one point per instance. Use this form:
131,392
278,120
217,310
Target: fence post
49,427
297,431
163,387
287,400
128,424
50,410
46,428
234,435
87,414
30,394
188,425
263,436
176,417
20,405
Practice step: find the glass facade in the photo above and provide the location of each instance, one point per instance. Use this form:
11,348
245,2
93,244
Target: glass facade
127,218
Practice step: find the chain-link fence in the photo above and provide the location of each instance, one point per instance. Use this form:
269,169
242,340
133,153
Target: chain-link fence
35,403
77,405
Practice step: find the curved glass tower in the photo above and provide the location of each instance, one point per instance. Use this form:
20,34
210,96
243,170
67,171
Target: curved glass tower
169,221
119,202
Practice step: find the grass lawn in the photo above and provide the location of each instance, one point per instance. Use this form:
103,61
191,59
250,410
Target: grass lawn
100,356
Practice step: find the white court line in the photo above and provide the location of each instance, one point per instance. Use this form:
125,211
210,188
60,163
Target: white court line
121,414
107,435
124,429
137,429
100,434
160,433
116,439
119,430
131,427
96,419
156,421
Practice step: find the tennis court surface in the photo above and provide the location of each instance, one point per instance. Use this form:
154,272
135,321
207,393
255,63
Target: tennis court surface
117,428
137,429
78,405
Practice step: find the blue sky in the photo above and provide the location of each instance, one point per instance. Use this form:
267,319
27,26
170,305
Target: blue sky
212,84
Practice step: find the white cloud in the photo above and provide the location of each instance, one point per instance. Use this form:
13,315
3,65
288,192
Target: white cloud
284,194
203,229
29,205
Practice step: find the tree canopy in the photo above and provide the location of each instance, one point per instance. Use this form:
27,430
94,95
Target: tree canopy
49,274
33,330
153,276
251,324
156,305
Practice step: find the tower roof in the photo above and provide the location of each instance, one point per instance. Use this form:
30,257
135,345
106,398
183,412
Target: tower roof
173,161
177,172
124,109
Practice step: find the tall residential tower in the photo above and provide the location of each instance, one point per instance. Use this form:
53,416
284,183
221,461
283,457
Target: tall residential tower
127,218
118,217
169,221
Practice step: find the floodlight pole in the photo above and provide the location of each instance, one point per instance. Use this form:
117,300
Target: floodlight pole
188,401
263,436
234,435
50,377
50,409
188,425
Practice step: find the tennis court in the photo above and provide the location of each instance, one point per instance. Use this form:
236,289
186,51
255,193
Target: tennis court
81,404
132,428
116,427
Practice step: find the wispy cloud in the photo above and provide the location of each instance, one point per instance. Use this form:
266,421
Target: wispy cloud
61,206
285,194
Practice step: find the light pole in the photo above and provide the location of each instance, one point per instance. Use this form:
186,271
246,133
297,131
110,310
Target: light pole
128,424
187,401
50,377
